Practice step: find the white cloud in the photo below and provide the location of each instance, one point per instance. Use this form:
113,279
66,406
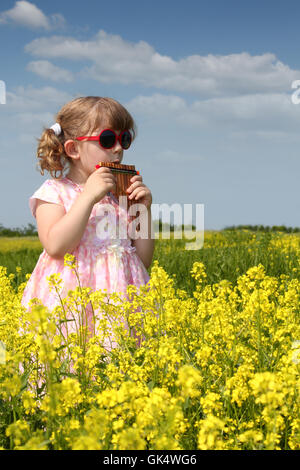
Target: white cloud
33,99
272,111
260,115
158,104
250,113
46,69
29,15
116,60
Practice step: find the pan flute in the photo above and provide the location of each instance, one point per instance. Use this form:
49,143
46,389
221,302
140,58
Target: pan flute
123,173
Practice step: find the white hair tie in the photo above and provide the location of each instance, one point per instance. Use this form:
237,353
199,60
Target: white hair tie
56,128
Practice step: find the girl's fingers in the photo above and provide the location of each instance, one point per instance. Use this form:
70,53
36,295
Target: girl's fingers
137,193
135,185
136,178
102,169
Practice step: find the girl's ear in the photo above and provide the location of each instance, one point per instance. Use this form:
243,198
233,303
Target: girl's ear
71,149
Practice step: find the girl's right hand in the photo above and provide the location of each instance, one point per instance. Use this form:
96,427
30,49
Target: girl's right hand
99,183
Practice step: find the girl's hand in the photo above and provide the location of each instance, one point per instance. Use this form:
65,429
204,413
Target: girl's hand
99,183
139,191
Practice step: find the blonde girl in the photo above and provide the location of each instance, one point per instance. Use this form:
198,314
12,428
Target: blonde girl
67,206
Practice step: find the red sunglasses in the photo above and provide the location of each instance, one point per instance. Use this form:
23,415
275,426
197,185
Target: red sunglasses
108,139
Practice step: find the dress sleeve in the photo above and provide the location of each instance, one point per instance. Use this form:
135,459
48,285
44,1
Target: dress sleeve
49,192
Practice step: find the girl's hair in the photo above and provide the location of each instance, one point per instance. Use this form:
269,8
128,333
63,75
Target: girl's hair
81,116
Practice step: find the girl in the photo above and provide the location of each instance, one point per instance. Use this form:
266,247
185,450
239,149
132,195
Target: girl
67,207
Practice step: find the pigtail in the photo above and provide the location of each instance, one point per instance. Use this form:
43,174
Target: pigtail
51,153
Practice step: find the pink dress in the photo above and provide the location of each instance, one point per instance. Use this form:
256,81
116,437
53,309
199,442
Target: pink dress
103,260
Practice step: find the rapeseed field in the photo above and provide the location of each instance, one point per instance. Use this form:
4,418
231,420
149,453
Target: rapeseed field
208,352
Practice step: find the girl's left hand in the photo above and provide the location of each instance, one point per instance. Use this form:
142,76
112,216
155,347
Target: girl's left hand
139,191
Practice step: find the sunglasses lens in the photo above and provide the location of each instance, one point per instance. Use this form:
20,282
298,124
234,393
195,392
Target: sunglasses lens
126,140
107,139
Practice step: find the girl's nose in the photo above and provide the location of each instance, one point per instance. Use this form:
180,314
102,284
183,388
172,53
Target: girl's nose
117,148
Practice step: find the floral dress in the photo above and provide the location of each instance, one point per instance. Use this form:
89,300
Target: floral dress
103,260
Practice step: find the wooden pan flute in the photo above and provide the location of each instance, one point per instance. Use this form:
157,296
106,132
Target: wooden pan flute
123,173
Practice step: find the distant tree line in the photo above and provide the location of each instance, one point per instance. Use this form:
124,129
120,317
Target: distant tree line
263,228
161,226
31,231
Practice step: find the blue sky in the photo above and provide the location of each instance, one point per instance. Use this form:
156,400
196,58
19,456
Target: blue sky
208,83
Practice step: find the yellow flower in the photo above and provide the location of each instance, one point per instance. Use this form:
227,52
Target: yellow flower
251,437
188,379
10,386
70,261
198,273
128,439
29,402
19,431
86,443
210,436
54,281
211,404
